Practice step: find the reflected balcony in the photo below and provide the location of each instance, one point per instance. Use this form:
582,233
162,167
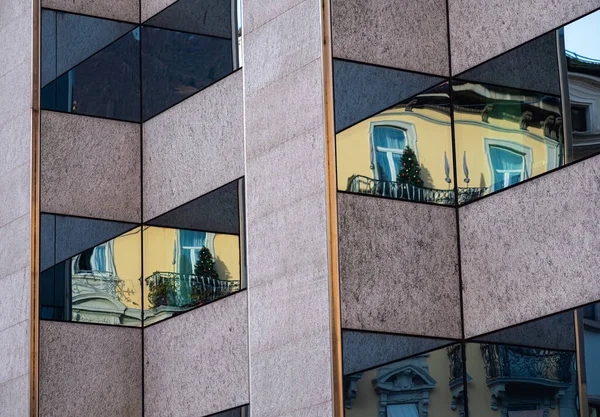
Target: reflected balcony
170,293
364,185
515,364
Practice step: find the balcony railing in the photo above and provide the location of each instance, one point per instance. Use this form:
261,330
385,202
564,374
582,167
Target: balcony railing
171,289
365,185
509,363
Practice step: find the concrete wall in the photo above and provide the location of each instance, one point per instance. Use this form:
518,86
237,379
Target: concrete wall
290,365
15,215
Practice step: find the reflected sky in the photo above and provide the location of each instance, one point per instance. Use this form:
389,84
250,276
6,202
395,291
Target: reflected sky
581,37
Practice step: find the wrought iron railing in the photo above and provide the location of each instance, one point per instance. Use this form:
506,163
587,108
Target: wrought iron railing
186,290
455,362
526,364
365,185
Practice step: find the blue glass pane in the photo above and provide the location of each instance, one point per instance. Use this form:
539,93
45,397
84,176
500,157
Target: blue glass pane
389,137
176,65
105,85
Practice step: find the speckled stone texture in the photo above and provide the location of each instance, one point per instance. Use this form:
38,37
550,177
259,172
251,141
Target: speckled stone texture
152,7
90,167
531,66
531,250
553,332
65,236
89,370
204,17
475,26
403,34
14,397
15,218
217,211
126,10
362,90
258,12
398,267
286,214
365,350
293,37
15,302
194,147
197,363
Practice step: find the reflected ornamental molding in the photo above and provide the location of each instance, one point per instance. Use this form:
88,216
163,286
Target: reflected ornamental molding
509,369
404,384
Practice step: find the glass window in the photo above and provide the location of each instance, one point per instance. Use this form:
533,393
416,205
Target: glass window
389,143
508,167
379,156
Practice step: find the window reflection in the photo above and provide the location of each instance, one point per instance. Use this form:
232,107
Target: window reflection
425,384
404,152
99,285
504,135
582,55
516,381
186,269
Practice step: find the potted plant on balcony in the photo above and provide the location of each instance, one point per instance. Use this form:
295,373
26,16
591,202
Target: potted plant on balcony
160,290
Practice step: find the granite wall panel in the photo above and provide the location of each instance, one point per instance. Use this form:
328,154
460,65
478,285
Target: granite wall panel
126,10
90,167
89,370
187,156
475,25
203,351
398,267
290,339
530,251
403,34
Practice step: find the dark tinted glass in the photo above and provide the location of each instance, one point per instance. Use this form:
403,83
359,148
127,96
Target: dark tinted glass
105,84
178,64
589,357
404,152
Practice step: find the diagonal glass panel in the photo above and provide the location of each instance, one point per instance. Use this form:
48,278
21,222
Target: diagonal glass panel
503,136
176,65
426,383
107,84
404,152
185,269
99,285
68,39
362,90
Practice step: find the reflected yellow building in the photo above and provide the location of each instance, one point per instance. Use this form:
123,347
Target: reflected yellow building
502,136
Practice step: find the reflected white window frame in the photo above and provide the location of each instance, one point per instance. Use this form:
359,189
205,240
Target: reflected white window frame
518,148
191,251
584,91
110,269
410,132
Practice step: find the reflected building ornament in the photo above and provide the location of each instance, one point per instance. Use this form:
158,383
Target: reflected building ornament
405,385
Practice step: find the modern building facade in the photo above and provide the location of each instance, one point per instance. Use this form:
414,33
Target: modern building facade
299,208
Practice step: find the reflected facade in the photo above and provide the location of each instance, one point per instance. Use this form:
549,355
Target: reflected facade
185,269
504,135
99,285
519,115
404,152
429,383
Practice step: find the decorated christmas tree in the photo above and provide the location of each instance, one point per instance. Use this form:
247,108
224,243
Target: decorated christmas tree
205,265
410,172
